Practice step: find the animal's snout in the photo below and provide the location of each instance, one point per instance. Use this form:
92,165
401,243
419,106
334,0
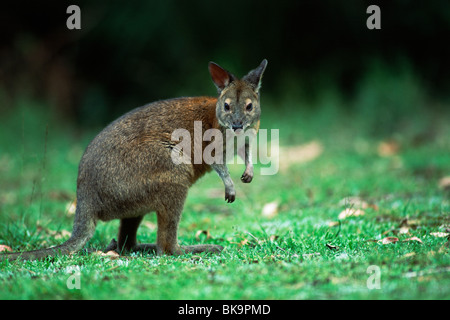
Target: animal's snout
237,126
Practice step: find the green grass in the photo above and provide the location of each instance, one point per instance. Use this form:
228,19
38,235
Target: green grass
300,252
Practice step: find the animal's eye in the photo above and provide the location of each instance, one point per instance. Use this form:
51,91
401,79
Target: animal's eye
249,107
226,107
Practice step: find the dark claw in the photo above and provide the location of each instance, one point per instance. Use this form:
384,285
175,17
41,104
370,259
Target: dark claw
246,178
230,198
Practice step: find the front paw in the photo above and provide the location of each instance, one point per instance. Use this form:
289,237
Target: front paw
230,195
247,176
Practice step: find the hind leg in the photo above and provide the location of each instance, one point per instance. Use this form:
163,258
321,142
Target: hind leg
171,202
127,233
199,248
168,221
169,215
167,236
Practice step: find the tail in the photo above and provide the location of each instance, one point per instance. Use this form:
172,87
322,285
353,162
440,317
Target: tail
70,246
83,231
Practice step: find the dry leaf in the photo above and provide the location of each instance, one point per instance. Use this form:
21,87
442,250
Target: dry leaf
409,255
332,247
412,239
333,224
5,248
403,230
354,202
71,207
444,183
388,148
110,254
205,232
440,234
270,209
243,243
404,226
298,154
150,225
413,222
273,237
388,240
350,212
214,193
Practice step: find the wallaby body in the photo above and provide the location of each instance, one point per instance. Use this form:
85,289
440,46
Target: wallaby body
127,170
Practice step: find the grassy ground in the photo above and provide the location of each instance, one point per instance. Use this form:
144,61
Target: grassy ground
295,248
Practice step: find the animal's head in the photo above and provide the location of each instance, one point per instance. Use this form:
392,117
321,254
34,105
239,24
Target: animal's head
238,104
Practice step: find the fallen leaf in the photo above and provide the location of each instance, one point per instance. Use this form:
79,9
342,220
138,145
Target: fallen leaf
388,240
440,234
409,255
412,239
354,202
298,154
5,248
273,237
403,230
243,243
350,212
388,148
110,254
404,227
444,183
333,223
214,193
200,232
270,209
332,247
150,225
71,207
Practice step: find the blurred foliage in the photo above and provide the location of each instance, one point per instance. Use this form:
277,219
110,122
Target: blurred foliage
128,54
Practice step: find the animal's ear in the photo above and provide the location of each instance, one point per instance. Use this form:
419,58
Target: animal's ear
254,77
220,76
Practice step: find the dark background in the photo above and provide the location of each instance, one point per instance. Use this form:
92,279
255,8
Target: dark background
131,53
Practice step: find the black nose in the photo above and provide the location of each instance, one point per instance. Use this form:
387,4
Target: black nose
237,126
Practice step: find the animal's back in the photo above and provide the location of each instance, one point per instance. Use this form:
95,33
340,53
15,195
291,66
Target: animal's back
129,162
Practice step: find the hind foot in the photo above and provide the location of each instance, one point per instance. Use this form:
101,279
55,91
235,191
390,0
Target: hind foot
180,250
